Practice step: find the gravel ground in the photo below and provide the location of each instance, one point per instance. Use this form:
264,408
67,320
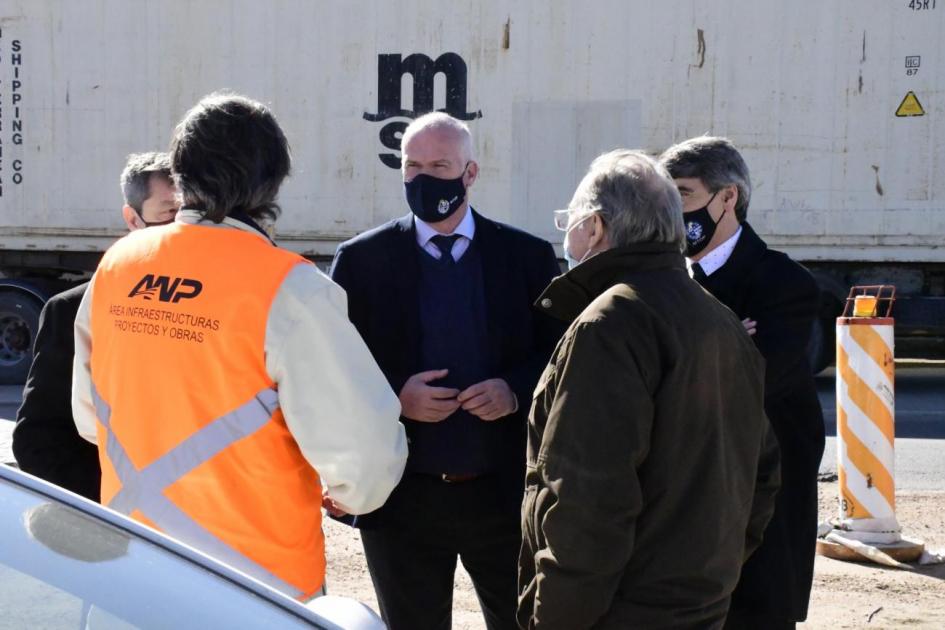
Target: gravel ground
845,594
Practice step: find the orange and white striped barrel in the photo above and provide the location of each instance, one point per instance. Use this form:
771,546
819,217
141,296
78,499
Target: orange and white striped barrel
866,428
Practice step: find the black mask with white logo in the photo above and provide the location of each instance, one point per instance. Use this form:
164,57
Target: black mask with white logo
432,199
700,228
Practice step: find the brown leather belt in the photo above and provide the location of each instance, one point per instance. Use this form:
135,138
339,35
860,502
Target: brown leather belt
459,477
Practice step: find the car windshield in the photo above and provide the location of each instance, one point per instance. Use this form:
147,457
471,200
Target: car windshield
63,568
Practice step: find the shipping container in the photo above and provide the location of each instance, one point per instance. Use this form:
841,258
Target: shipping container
838,108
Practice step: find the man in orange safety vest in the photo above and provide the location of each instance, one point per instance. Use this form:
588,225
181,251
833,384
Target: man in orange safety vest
266,392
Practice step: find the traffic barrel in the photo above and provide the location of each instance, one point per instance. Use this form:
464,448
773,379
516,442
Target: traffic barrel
866,430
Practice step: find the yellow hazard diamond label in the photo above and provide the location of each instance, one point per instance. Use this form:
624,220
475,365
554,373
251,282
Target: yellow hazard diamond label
910,106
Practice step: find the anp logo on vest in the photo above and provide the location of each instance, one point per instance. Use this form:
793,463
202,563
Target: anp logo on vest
168,289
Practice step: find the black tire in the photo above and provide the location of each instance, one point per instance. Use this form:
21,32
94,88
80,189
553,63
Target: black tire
820,348
19,321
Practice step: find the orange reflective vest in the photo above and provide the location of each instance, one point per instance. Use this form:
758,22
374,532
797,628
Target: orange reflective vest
191,437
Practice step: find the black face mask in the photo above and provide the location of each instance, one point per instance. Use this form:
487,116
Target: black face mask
700,228
432,199
153,223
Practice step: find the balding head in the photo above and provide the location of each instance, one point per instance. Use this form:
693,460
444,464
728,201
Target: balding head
447,128
440,147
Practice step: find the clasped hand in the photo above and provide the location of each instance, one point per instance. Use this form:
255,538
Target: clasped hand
489,400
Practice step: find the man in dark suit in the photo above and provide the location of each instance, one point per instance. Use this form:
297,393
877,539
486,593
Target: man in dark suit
45,440
443,297
778,301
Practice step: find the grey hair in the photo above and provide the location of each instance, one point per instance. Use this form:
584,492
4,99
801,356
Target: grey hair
440,121
715,162
136,178
635,197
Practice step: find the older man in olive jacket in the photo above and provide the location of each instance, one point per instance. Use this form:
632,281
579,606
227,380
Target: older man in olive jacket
652,470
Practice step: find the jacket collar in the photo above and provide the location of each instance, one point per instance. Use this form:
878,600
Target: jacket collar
716,259
748,250
569,294
190,216
425,231
725,283
406,226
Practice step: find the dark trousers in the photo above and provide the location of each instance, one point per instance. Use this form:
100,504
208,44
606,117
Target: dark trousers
742,619
428,523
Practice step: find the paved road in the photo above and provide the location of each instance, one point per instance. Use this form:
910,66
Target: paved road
920,463
920,425
920,400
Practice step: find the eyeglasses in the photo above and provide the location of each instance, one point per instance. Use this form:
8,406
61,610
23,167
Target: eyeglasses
562,217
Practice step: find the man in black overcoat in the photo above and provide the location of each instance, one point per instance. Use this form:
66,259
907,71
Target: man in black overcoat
778,301
45,441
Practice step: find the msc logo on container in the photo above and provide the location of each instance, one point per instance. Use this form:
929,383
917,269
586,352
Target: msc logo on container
167,289
422,70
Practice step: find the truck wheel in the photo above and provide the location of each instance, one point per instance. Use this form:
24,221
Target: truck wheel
19,321
821,345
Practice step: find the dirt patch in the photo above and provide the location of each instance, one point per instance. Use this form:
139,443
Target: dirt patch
845,594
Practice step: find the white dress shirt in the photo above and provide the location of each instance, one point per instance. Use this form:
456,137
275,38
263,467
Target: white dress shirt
466,230
340,409
714,260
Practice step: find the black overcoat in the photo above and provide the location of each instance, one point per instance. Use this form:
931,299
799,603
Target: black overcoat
45,440
783,298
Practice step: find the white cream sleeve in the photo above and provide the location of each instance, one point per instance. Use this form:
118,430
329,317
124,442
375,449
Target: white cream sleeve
337,403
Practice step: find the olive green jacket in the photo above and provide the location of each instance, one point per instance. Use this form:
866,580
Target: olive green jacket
652,469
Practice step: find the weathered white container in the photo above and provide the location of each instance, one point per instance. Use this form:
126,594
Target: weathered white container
808,90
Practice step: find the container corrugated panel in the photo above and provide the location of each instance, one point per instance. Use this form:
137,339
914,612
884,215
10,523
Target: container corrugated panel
808,90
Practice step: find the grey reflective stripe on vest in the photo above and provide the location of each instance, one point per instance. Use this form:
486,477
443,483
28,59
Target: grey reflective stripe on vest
143,490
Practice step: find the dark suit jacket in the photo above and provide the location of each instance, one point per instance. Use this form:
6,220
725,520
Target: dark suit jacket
45,440
783,298
379,270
